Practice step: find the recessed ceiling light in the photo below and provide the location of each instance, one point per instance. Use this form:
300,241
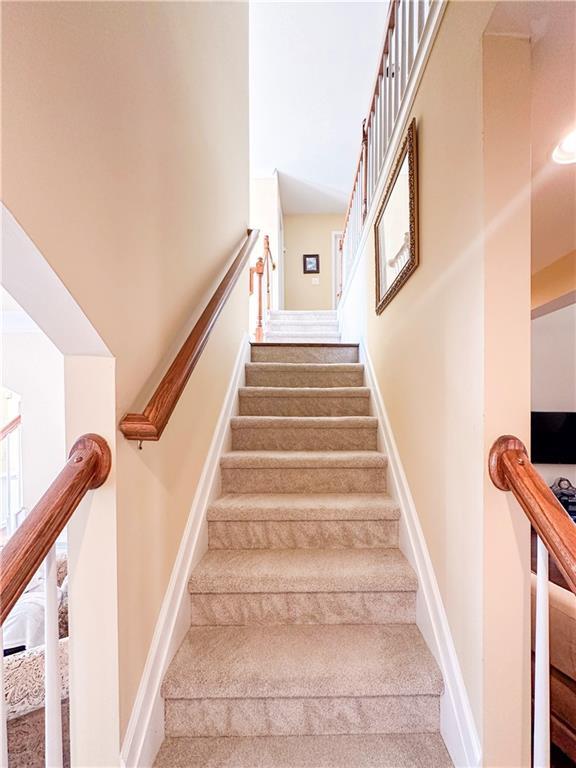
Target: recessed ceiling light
565,152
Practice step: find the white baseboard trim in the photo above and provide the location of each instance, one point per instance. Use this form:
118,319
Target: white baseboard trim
145,731
457,724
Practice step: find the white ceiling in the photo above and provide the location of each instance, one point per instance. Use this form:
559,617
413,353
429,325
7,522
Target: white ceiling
312,69
551,27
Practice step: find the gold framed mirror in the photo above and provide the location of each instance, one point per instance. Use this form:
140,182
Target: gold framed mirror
396,225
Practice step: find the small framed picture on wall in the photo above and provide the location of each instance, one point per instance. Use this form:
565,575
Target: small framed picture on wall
311,263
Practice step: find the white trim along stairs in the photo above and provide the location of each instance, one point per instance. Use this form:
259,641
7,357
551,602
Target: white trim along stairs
297,641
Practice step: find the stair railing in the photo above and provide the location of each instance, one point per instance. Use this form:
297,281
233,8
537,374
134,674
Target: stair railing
405,29
264,264
511,470
150,424
33,543
270,266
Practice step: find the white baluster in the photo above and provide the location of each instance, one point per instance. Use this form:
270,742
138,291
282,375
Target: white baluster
374,143
411,11
542,664
389,89
368,163
403,47
3,712
392,75
381,128
384,108
52,685
397,63
420,19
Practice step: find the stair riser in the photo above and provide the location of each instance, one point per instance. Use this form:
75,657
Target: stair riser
314,716
259,378
304,315
303,608
309,338
303,480
311,329
291,439
296,354
287,508
304,406
272,534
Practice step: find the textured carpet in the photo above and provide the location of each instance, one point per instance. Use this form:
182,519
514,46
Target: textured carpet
387,751
303,650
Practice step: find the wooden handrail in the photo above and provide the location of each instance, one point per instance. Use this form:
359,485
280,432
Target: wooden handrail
150,424
87,467
10,427
511,470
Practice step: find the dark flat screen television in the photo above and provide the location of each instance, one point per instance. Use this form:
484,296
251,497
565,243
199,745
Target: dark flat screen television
553,437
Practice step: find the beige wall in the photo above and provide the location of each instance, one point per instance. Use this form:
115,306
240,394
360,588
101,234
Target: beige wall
507,264
309,233
436,358
125,158
555,282
427,344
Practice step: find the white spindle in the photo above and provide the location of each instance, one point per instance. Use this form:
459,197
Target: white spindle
397,64
392,72
420,16
372,147
542,664
376,133
369,160
381,123
384,108
52,686
402,42
411,43
389,87
3,712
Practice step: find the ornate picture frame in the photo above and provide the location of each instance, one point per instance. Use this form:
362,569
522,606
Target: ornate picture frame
396,224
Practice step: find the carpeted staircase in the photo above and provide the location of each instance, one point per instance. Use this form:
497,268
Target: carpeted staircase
303,649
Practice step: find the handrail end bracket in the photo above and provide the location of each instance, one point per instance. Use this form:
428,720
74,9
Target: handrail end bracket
495,467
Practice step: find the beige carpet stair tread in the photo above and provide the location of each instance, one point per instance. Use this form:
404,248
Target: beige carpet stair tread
304,374
303,570
304,506
324,345
304,433
417,750
304,422
303,459
307,367
300,392
302,660
303,352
